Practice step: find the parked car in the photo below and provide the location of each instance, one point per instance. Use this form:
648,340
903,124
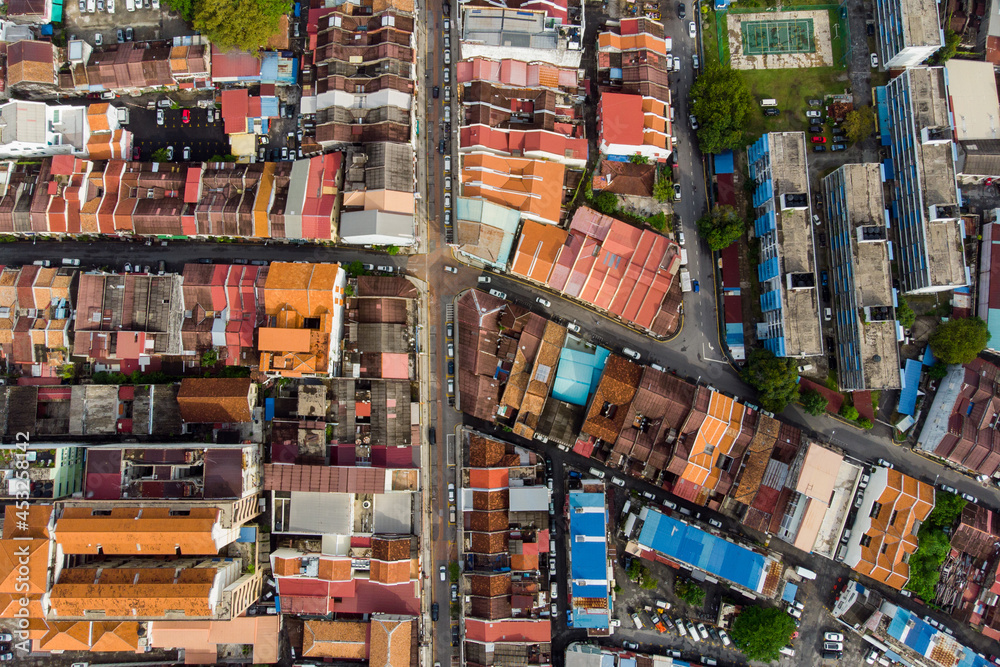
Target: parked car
121,35
450,269
884,464
819,149
715,522
695,286
170,153
874,59
187,153
771,111
819,140
815,103
186,116
971,498
629,352
824,277
813,114
833,646
210,116
632,646
434,611
681,13
693,121
443,572
838,147
98,39
833,637
544,302
677,189
435,91
695,63
692,30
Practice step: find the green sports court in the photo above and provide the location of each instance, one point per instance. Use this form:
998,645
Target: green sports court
760,38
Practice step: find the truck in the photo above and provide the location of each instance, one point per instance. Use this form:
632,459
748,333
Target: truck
685,281
684,256
804,573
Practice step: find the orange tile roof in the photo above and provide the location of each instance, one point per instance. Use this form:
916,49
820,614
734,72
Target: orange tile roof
346,640
537,250
138,531
903,502
199,638
390,642
715,437
307,289
534,187
132,592
97,636
203,400
12,551
490,478
396,572
37,522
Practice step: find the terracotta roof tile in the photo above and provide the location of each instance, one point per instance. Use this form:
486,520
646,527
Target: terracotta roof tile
206,400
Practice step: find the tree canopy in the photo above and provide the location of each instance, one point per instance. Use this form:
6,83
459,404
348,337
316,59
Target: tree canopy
159,155
814,402
947,508
848,412
234,24
722,103
926,561
774,378
760,632
950,48
959,341
859,123
690,592
720,227
905,314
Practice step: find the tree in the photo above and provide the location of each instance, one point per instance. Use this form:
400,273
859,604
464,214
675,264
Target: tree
959,341
866,423
356,268
222,158
210,357
159,155
720,227
183,7
658,221
760,632
905,314
663,189
947,508
814,402
849,412
690,592
937,371
638,159
722,103
239,24
392,250
925,563
774,378
649,582
950,47
605,202
859,123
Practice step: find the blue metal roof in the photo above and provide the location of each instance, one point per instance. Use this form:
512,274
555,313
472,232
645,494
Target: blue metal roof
578,374
929,359
690,545
724,162
907,628
788,595
911,382
588,557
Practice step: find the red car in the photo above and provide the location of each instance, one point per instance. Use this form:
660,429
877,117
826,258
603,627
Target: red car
186,117
136,154
816,140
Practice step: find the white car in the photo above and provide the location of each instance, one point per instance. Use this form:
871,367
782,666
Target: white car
210,115
874,61
618,481
450,269
544,302
715,522
443,572
692,30
187,153
111,6
170,153
574,327
813,114
833,637
629,352
680,238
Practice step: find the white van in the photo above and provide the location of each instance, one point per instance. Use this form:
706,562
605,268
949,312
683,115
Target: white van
787,650
804,573
768,102
447,164
597,473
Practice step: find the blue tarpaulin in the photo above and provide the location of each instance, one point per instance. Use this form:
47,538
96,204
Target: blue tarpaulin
724,162
248,534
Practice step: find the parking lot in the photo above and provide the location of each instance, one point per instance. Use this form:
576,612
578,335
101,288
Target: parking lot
205,139
146,22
